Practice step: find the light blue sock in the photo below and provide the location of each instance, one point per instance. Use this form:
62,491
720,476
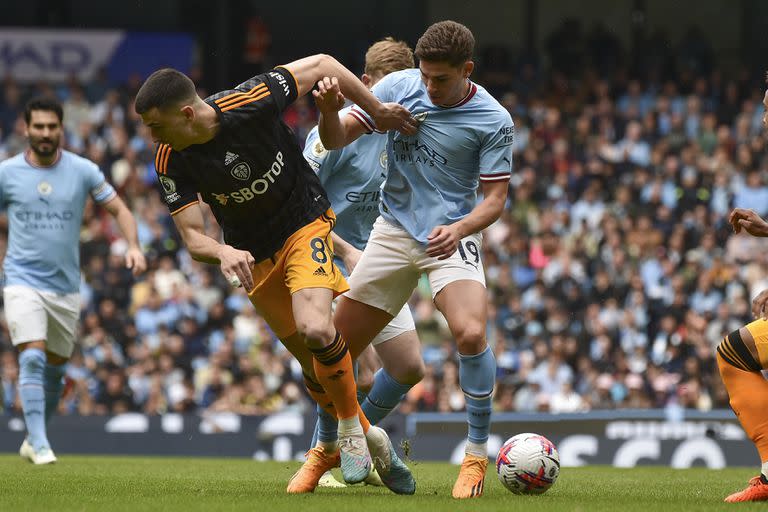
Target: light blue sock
31,370
477,374
53,383
384,396
327,427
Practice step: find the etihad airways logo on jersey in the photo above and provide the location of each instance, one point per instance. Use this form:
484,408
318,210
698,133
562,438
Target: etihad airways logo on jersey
32,215
366,196
50,220
364,201
404,150
258,186
282,81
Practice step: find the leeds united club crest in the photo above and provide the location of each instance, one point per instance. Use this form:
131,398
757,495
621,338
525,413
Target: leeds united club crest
241,171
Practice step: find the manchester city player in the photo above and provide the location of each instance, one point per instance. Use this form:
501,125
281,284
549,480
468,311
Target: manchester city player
44,191
430,216
352,178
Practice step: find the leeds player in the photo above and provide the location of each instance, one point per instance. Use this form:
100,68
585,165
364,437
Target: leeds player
742,357
44,191
352,177
430,217
235,151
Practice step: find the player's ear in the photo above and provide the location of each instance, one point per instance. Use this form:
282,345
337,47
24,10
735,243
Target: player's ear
468,67
188,112
366,80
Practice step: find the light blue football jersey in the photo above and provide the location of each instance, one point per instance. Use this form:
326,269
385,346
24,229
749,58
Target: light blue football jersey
45,210
352,178
433,176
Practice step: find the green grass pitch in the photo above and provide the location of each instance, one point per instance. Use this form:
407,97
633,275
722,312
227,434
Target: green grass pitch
112,484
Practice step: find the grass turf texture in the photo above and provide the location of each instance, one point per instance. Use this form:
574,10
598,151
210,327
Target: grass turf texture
115,484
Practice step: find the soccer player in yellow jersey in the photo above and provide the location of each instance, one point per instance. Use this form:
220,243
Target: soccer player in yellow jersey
741,357
234,151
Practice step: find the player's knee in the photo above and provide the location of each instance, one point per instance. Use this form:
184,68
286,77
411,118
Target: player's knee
470,338
736,403
32,364
364,379
317,333
409,372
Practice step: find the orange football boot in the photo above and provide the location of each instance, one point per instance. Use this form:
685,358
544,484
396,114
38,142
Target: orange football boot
471,478
309,474
757,490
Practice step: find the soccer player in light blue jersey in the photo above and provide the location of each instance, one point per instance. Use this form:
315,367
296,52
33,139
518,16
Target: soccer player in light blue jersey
352,178
431,217
44,191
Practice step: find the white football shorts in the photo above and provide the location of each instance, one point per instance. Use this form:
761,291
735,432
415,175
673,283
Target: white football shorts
400,324
393,261
34,315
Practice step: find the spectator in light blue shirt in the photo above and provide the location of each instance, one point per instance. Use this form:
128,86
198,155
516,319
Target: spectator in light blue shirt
753,195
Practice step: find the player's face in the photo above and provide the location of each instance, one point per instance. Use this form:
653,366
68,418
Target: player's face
44,132
169,126
765,104
445,84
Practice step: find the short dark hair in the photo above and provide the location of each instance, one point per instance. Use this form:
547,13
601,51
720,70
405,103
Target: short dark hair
43,103
164,88
446,41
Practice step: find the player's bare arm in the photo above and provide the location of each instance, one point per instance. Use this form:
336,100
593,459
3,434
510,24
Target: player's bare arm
749,220
335,132
760,305
348,253
310,70
134,258
234,263
443,240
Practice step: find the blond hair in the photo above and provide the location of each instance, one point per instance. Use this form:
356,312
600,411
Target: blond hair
387,56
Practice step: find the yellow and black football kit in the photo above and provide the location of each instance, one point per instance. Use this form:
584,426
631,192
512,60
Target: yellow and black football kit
740,367
264,195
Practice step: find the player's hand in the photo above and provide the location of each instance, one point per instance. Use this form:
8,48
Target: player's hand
759,305
749,220
328,95
236,266
443,241
351,258
134,260
392,116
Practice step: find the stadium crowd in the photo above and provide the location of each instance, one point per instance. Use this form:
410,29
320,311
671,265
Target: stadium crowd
612,275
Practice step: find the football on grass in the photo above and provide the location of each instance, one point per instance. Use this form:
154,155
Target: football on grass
528,464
